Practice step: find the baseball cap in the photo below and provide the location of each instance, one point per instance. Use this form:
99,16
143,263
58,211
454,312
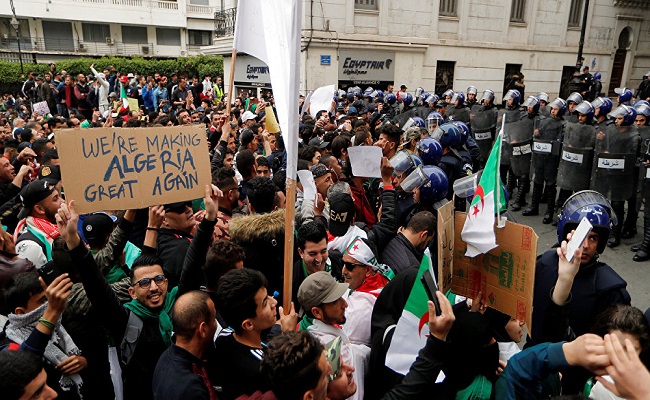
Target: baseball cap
130,75
352,111
97,226
124,79
320,288
33,193
178,207
341,213
246,137
113,95
318,170
318,142
50,173
247,115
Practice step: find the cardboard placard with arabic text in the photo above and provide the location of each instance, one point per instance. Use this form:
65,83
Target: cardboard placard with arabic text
505,275
445,241
129,168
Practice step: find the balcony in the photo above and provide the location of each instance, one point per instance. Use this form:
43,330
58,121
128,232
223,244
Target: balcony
224,22
155,4
48,45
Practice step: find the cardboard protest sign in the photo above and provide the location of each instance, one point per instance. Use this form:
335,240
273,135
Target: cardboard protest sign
120,168
41,108
445,234
271,123
505,275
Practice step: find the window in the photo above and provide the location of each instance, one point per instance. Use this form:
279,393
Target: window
444,76
134,34
168,37
448,8
517,11
511,76
366,4
59,36
95,32
575,13
200,38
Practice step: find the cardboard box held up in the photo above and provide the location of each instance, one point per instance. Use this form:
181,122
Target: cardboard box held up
121,168
505,275
446,243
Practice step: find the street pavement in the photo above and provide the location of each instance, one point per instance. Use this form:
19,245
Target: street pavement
637,274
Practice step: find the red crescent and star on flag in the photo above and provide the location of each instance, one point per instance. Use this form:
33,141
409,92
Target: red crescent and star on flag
481,195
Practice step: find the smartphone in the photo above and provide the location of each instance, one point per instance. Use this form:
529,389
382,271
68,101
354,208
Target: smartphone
579,236
431,288
49,272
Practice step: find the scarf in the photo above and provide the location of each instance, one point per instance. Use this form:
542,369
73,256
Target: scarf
164,322
44,230
59,348
341,243
361,252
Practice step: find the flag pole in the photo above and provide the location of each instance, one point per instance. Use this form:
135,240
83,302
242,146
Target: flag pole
501,221
289,224
231,81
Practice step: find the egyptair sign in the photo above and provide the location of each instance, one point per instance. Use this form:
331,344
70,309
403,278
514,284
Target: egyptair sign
123,168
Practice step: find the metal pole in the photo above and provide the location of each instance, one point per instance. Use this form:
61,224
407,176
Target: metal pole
583,28
20,53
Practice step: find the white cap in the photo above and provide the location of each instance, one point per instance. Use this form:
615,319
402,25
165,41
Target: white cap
130,75
246,116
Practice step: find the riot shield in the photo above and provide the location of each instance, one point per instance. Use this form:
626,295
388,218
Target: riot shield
506,150
482,125
520,136
613,171
579,135
644,172
423,112
546,141
574,172
571,118
401,118
458,114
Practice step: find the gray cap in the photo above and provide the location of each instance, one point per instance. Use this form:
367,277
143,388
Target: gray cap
320,288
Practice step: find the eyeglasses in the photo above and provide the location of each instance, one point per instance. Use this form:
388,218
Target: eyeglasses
350,266
145,283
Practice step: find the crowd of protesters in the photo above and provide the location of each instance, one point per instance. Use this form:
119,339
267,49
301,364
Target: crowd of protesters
183,300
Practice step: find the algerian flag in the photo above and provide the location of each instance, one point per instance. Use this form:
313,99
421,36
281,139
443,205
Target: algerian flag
489,199
125,99
413,326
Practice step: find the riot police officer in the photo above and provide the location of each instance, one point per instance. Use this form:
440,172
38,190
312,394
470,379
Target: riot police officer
572,102
547,141
455,161
613,172
483,122
642,109
470,101
602,107
520,137
457,111
512,113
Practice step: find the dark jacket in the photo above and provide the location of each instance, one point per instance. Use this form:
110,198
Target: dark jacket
177,376
595,288
138,374
400,254
172,247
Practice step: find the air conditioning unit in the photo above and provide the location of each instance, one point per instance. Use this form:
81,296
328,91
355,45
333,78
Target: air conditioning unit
110,41
145,49
82,47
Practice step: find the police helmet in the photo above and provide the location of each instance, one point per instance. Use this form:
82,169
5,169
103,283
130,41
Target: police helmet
532,101
448,93
560,105
437,186
488,94
429,150
350,97
585,108
542,96
628,113
433,120
433,98
379,94
418,92
473,90
391,98
597,76
404,161
368,92
514,95
419,122
464,131
458,96
423,98
624,94
603,105
407,100
574,97
643,109
593,206
449,135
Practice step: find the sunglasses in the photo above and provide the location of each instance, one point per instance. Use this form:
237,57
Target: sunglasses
350,266
145,283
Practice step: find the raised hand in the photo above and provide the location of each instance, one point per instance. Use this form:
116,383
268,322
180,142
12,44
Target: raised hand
439,325
67,220
211,201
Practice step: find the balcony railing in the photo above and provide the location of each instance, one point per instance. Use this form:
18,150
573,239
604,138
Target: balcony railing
76,46
198,9
224,22
155,4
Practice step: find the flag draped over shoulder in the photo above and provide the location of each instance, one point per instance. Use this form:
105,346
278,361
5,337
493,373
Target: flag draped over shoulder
270,30
413,326
478,231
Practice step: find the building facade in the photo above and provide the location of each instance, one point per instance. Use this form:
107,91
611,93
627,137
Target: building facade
55,29
440,44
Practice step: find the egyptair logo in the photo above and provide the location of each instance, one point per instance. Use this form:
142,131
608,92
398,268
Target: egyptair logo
388,63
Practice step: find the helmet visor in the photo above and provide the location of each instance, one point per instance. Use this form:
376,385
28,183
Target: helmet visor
487,95
597,103
531,101
618,111
643,109
587,198
584,108
401,161
415,179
